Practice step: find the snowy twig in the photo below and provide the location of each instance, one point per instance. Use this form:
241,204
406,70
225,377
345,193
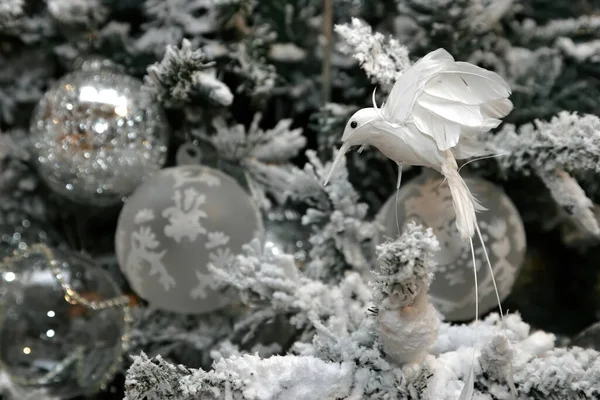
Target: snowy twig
570,196
383,59
186,76
567,144
341,235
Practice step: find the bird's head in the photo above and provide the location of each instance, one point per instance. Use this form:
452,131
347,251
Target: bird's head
357,132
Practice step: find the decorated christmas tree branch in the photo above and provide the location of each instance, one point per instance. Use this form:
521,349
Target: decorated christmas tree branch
19,184
186,76
567,145
176,336
263,154
381,58
398,352
341,236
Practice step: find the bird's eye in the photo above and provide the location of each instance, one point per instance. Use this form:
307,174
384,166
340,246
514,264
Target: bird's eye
353,124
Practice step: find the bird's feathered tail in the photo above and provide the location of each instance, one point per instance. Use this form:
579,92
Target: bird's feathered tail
465,204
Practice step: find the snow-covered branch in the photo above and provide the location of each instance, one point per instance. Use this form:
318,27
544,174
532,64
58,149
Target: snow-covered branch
382,59
341,236
276,145
569,144
186,76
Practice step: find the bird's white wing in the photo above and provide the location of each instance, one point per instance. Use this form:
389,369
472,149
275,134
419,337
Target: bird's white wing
446,99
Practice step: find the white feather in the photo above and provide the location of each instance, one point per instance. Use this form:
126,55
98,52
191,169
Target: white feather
444,99
445,133
464,114
468,84
465,204
497,108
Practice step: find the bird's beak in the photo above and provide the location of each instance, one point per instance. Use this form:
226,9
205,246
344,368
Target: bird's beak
338,158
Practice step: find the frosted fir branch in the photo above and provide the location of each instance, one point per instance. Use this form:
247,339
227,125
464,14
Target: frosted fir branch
22,82
341,235
383,59
176,336
330,121
264,154
407,260
260,275
483,15
581,52
568,141
171,21
344,362
563,374
276,145
9,11
570,197
185,76
583,25
85,14
272,285
268,181
20,185
154,379
258,78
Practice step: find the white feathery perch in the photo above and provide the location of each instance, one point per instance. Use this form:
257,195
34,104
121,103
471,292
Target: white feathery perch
431,118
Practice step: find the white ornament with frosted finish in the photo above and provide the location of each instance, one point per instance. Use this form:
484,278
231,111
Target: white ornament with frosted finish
174,226
427,201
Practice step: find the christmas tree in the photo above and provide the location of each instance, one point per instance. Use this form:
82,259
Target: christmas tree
167,234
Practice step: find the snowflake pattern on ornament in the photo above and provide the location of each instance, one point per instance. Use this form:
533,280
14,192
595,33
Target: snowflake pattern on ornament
205,281
143,251
219,259
188,176
184,217
216,239
144,215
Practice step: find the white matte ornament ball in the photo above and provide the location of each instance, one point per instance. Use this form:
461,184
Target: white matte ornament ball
426,200
174,226
96,136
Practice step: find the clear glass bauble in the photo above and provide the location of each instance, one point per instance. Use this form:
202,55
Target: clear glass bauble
96,135
48,339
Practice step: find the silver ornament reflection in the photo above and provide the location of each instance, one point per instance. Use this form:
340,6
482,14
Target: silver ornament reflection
174,226
285,234
49,338
426,200
96,136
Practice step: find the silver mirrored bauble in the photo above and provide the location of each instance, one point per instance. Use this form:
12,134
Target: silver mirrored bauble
96,136
427,201
174,226
50,341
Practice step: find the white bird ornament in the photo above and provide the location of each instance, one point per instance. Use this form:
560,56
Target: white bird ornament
431,118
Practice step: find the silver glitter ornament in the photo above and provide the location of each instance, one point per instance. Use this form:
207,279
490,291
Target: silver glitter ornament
426,200
96,135
174,226
63,323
